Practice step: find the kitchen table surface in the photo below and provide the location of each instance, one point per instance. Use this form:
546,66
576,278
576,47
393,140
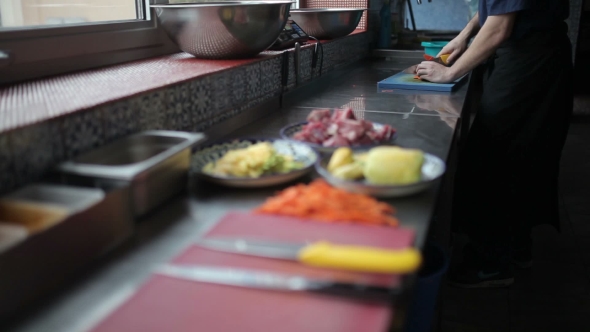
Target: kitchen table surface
423,120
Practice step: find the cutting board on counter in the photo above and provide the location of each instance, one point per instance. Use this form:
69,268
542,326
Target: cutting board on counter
407,81
168,304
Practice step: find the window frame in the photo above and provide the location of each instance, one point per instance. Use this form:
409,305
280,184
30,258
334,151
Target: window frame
35,51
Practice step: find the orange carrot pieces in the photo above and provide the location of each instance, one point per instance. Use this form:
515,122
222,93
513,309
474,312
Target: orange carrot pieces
320,201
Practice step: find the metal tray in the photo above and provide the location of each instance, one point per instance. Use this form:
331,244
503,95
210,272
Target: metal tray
154,164
90,222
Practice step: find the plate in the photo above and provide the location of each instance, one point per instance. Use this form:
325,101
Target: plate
432,169
298,150
287,133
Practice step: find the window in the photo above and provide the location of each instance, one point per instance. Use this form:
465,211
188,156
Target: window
31,13
45,37
441,15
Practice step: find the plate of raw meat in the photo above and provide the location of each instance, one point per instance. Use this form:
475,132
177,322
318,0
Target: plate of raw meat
326,130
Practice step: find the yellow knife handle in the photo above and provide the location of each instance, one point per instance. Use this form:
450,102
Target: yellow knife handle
360,259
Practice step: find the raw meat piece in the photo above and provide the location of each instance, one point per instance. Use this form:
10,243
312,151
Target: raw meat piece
351,129
318,115
301,136
314,132
343,114
384,133
341,128
365,140
332,129
372,135
336,141
367,124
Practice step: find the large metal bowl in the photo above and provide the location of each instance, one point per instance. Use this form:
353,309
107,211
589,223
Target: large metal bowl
327,23
224,30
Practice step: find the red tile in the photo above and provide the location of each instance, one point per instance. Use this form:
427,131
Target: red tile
39,100
340,4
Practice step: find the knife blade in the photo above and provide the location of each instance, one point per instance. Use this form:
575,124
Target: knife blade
442,59
265,280
324,254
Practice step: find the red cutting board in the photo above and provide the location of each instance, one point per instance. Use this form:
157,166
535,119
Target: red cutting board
168,304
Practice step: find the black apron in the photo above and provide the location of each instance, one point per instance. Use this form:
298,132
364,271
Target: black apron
507,176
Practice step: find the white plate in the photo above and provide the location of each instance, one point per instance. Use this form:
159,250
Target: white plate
432,169
298,150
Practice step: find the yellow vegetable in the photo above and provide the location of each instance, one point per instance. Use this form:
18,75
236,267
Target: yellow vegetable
352,171
361,157
390,165
252,161
341,156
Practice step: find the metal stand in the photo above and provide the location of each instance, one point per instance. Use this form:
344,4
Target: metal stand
411,14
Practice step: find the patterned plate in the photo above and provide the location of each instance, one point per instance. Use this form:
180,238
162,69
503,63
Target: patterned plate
289,131
300,152
432,169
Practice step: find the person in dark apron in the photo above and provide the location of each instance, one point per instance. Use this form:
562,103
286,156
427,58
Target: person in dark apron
506,179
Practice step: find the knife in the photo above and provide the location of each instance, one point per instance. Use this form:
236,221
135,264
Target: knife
324,254
442,59
274,281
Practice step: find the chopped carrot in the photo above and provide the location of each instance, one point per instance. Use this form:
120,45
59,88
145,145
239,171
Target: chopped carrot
321,202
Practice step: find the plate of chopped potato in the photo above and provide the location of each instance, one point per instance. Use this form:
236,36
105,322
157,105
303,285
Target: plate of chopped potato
253,163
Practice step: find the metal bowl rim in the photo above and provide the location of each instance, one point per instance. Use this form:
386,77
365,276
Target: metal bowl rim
255,139
220,4
324,173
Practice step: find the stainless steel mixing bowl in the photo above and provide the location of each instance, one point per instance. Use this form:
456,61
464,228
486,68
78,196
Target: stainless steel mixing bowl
224,30
327,23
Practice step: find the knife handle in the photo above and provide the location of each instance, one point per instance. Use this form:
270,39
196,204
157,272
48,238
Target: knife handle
360,259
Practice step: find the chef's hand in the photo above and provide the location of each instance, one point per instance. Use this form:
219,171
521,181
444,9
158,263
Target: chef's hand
435,72
455,48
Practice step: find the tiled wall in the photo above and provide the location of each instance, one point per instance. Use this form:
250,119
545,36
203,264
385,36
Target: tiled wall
195,105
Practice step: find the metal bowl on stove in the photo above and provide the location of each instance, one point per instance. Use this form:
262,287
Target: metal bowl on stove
224,30
327,23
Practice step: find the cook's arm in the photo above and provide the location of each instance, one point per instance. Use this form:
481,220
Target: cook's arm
495,30
458,45
471,28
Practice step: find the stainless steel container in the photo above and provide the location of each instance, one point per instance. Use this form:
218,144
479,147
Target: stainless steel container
153,164
62,229
327,23
224,30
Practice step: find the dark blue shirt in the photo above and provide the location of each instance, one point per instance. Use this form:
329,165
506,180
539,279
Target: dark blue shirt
532,15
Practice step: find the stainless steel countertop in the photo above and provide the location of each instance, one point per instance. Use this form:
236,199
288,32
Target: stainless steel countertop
423,121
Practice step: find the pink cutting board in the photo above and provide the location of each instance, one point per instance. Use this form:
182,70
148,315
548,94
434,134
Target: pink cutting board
169,304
